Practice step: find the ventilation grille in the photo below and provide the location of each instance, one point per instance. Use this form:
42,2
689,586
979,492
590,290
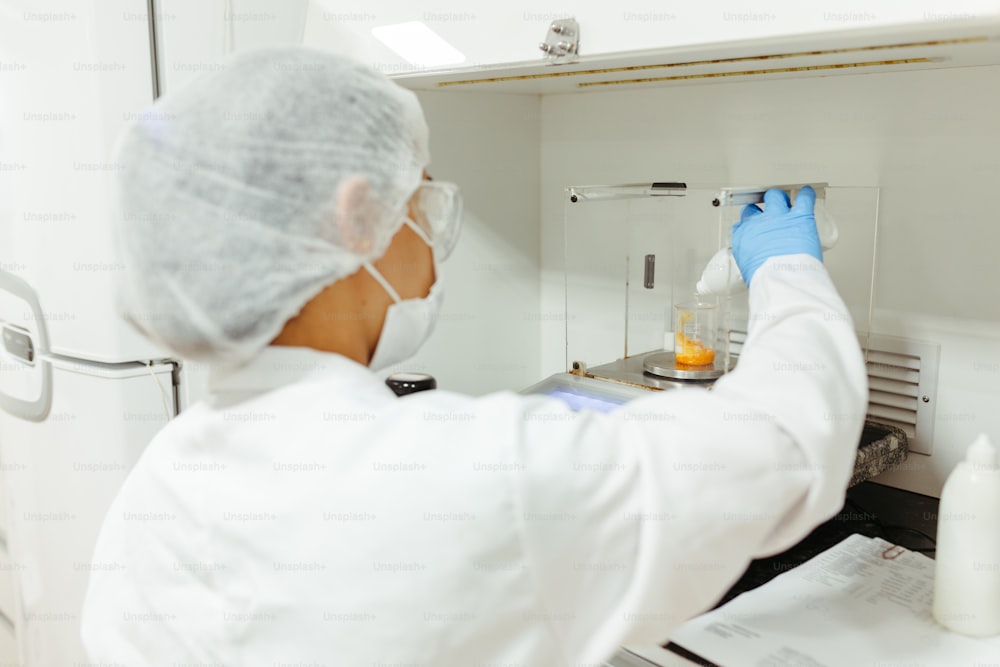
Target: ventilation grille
902,384
894,390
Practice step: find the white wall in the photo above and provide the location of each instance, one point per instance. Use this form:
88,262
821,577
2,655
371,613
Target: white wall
929,140
487,337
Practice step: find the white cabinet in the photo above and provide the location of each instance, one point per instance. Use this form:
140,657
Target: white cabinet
8,569
486,34
8,643
8,601
192,35
870,50
73,74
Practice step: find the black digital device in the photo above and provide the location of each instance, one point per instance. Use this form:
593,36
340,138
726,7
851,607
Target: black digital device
410,383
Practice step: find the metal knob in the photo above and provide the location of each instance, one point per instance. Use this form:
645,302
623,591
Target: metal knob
557,49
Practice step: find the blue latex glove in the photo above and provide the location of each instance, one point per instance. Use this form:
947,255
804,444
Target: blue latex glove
777,230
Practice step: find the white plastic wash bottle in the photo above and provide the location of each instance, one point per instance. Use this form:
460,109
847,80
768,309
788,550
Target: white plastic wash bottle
967,567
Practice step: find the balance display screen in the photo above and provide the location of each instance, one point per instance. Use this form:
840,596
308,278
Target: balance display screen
579,402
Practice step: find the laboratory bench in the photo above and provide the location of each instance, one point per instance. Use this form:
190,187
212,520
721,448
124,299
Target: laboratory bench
874,510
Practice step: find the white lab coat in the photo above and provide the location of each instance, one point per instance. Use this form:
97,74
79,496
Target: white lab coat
304,515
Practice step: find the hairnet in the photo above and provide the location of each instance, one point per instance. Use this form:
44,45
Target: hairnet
228,195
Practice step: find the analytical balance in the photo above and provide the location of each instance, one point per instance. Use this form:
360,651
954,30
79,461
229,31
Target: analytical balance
653,298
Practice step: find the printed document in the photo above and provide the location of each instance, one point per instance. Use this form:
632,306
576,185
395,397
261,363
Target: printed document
862,602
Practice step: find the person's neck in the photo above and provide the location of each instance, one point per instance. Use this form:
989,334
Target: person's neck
344,318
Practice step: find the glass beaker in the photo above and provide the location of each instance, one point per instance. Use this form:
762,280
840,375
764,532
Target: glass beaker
694,334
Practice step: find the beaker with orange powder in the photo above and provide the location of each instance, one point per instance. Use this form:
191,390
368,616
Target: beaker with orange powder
695,334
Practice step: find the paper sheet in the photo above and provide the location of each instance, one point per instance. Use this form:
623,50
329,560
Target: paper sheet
862,602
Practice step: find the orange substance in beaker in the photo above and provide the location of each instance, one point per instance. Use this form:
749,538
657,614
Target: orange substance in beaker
693,353
689,352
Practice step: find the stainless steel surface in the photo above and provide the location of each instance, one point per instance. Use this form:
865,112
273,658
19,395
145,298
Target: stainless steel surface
755,194
630,371
627,191
664,364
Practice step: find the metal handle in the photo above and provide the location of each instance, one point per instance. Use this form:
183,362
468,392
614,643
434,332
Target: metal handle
650,270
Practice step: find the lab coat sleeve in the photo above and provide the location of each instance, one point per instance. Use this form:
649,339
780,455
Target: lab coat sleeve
636,520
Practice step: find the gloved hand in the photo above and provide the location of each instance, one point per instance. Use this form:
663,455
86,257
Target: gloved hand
777,230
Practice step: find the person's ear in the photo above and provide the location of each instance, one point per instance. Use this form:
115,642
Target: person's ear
356,215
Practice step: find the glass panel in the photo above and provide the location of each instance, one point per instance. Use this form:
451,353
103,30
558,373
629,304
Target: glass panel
619,304
634,252
596,241
851,262
847,219
682,236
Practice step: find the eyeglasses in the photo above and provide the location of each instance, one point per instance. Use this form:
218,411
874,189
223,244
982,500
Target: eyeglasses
437,211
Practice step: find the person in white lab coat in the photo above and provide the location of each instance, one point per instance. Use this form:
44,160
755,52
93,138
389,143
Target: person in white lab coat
276,225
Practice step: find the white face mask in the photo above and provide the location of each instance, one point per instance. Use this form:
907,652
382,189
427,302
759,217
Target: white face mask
408,322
